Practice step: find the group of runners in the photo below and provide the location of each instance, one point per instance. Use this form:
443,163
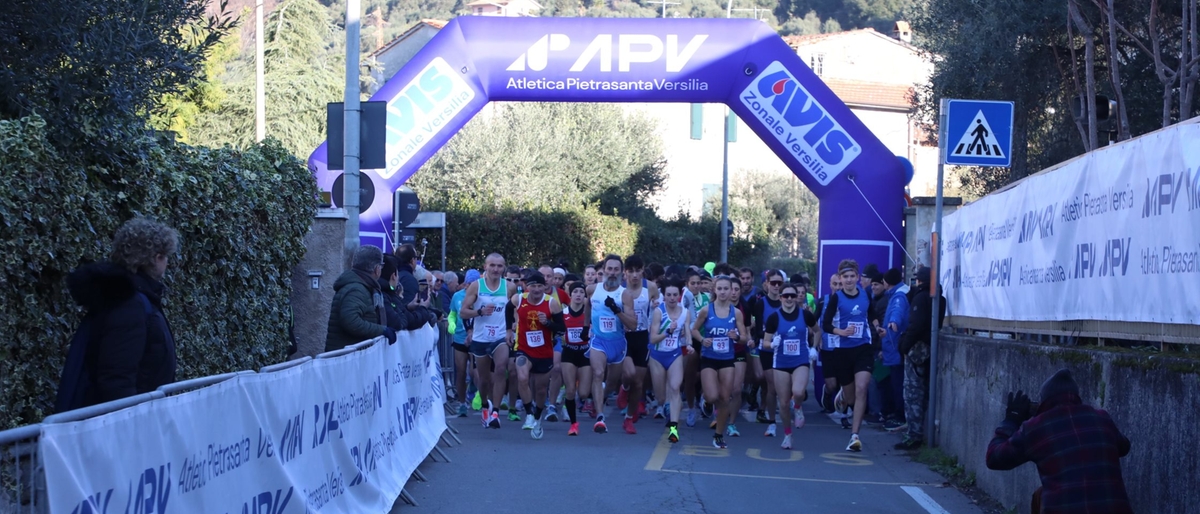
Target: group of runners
551,339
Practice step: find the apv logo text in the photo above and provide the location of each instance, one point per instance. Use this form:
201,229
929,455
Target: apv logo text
630,48
800,123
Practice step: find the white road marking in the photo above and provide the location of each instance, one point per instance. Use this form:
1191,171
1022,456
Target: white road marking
924,500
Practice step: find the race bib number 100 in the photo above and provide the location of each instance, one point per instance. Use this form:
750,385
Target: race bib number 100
791,347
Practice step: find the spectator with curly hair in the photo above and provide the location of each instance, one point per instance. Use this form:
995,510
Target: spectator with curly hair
124,345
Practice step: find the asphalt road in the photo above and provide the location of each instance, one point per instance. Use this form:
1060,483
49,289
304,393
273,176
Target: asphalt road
502,471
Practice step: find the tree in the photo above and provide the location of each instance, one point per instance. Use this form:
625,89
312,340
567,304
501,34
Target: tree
547,154
303,72
95,69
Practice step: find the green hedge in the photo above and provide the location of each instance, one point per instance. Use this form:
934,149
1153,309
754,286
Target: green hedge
241,215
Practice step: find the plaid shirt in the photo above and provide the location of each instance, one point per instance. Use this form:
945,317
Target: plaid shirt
1077,450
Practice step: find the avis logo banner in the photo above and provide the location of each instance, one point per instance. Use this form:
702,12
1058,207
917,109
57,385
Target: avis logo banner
800,123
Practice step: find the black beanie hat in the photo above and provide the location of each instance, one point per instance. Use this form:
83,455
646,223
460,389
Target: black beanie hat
893,276
1060,383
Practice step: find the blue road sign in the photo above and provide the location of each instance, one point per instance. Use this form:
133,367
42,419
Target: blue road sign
979,133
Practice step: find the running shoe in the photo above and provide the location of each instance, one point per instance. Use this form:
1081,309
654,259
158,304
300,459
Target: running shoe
732,431
706,409
494,421
589,408
462,410
673,435
798,416
787,442
719,442
520,407
770,430
641,410
855,444
600,427
628,425
895,425
487,416
658,412
574,430
846,423
477,403
504,403
562,395
551,414
529,422
622,398
908,444
761,417
513,416
691,417
537,431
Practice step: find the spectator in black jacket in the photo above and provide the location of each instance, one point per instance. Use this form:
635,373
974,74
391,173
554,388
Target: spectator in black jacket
914,345
407,255
124,346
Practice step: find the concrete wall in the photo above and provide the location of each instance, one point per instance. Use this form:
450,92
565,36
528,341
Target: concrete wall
1152,398
918,226
310,307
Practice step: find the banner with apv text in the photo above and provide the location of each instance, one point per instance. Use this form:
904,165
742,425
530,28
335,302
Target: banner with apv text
331,435
1113,235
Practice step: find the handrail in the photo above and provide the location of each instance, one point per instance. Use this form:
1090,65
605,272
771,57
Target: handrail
366,344
336,353
196,383
13,435
284,365
102,409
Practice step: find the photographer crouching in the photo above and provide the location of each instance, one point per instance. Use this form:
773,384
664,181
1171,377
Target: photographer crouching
1077,450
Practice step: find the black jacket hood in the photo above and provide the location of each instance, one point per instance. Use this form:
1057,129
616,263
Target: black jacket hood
102,285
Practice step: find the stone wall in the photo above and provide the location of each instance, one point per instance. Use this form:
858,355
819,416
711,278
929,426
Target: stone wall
1154,400
324,260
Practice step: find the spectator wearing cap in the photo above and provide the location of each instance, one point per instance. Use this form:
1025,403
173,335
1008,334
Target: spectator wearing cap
914,346
358,312
1077,449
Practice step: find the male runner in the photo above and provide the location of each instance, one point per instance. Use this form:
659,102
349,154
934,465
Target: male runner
485,302
640,294
764,308
852,361
556,380
610,320
535,316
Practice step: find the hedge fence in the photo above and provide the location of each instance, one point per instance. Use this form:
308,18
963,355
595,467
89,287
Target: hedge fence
241,215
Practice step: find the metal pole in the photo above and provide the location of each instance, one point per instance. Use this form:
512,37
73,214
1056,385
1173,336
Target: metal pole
725,192
443,247
260,109
350,184
936,257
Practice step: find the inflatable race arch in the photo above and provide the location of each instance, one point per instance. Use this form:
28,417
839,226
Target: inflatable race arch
741,63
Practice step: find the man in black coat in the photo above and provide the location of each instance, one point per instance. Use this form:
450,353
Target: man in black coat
914,345
124,345
407,254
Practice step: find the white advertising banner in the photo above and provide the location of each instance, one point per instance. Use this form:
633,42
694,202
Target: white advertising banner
1113,235
331,435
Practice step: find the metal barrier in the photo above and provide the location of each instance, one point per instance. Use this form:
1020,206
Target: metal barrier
22,477
284,365
22,483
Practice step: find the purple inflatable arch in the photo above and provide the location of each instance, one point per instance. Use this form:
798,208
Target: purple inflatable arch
742,63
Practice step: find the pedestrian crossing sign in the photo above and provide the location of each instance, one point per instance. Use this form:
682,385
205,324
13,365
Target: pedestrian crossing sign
979,133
